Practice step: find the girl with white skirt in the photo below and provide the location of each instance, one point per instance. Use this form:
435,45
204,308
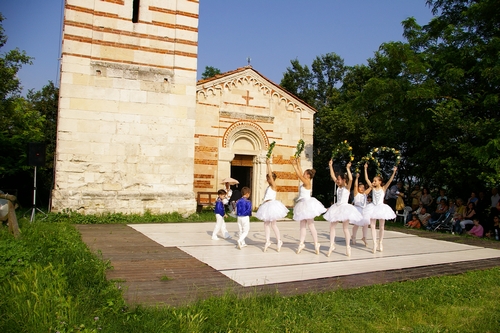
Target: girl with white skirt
363,207
271,210
380,210
342,210
307,207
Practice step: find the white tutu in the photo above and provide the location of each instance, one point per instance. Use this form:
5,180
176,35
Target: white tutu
307,208
365,215
382,212
342,212
271,210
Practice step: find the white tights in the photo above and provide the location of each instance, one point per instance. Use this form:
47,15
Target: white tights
347,234
308,223
267,228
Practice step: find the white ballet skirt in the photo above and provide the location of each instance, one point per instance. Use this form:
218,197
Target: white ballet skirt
380,211
361,204
307,207
271,209
342,210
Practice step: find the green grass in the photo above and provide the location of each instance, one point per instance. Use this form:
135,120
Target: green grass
51,282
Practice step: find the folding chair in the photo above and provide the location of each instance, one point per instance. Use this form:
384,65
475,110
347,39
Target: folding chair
404,214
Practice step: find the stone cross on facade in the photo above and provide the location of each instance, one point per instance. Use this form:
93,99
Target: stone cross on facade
247,97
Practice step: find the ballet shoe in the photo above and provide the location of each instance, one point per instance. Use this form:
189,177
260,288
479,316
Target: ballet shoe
380,247
316,248
364,241
300,248
266,246
240,244
374,247
332,248
348,251
353,240
280,244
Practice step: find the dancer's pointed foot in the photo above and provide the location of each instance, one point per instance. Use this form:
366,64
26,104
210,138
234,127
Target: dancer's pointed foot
364,241
348,251
301,247
353,240
316,248
374,247
380,247
280,244
332,248
266,246
240,244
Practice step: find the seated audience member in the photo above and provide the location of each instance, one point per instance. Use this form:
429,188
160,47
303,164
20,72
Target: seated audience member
469,216
496,228
482,209
441,197
452,206
414,222
424,216
415,197
477,230
441,209
459,209
426,198
473,198
494,201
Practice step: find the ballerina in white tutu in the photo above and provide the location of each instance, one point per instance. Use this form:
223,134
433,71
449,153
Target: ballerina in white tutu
307,207
380,211
341,210
271,209
362,205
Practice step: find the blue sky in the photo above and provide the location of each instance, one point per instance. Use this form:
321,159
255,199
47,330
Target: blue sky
270,32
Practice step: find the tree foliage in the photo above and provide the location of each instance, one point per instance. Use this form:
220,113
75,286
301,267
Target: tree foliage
210,72
23,120
434,97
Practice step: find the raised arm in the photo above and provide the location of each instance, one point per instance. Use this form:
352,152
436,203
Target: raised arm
390,179
366,176
270,175
356,184
349,176
332,172
300,173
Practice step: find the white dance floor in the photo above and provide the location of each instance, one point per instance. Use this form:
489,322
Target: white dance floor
251,266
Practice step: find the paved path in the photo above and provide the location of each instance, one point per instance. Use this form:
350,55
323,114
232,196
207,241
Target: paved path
178,263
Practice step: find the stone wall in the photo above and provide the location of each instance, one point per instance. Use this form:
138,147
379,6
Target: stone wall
241,113
126,121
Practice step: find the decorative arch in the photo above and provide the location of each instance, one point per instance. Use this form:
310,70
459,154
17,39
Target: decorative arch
247,130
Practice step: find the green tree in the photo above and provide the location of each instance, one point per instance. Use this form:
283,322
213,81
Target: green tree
18,124
210,72
435,98
462,45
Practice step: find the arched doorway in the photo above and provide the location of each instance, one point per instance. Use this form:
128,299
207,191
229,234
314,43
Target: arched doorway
242,169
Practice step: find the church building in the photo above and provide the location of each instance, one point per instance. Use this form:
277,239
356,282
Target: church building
137,133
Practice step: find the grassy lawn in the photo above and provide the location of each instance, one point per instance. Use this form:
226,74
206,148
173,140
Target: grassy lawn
51,282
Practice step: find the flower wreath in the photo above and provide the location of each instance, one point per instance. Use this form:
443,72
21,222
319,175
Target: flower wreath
270,150
343,149
374,157
300,148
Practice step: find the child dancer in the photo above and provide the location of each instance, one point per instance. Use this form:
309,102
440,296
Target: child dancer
220,214
363,207
307,207
271,210
243,211
342,210
380,211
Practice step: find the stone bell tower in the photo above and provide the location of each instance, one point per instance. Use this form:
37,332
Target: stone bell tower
126,124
